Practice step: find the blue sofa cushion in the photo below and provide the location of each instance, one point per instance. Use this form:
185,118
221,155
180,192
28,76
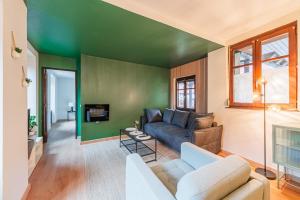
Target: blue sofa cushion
180,118
153,115
152,128
169,134
168,115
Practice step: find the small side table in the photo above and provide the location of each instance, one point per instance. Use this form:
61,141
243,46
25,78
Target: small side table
68,113
35,154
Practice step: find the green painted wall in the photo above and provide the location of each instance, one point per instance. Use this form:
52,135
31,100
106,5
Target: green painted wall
57,62
127,87
46,60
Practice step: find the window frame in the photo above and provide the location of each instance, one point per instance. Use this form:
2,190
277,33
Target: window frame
185,79
256,43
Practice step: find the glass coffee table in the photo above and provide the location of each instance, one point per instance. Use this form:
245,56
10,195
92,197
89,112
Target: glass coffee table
134,144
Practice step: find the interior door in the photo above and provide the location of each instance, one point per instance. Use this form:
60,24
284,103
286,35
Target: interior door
45,110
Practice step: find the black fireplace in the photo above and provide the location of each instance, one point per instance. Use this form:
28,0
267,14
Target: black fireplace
96,112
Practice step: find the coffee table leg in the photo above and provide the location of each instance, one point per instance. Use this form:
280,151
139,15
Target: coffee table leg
135,146
120,138
155,147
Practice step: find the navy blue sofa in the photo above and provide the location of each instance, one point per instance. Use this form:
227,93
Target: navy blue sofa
169,134
174,127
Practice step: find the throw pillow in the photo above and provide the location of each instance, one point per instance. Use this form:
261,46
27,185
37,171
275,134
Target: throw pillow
153,115
204,122
199,123
193,116
180,118
168,115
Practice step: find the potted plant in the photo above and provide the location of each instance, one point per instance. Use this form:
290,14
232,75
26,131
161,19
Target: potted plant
32,125
16,52
136,124
26,82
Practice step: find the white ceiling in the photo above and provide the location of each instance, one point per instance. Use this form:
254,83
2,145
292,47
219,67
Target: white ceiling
62,74
215,20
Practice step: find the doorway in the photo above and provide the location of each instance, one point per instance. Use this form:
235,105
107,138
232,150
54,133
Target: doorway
59,102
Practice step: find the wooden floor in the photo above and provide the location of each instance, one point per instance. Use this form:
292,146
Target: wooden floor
61,173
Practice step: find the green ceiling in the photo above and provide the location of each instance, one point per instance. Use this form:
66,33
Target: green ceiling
71,27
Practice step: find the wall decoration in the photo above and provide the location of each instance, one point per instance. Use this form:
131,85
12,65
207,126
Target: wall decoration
15,50
25,81
32,125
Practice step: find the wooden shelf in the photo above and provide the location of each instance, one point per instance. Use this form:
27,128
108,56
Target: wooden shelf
35,154
294,147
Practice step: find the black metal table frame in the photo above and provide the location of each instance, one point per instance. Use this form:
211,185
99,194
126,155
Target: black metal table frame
136,142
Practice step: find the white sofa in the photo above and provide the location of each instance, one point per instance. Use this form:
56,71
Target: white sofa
197,175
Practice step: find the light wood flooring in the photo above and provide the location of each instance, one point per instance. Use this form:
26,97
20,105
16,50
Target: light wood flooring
66,169
60,174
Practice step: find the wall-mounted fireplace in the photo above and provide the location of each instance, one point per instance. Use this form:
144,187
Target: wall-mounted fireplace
96,112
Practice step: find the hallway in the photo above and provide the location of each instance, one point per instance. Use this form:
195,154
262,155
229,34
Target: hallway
60,172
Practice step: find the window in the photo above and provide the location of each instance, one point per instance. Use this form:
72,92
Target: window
271,56
186,93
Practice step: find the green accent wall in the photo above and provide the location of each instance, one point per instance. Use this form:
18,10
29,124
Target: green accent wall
93,27
56,62
127,87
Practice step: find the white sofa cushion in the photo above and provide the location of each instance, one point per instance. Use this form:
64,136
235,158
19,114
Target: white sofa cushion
142,183
171,172
253,190
214,181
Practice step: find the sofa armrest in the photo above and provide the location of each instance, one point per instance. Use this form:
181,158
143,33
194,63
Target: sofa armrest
143,121
195,156
264,181
142,183
214,124
209,138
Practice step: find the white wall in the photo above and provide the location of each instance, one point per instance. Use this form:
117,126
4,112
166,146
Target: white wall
51,98
243,129
32,69
31,89
65,93
15,162
60,91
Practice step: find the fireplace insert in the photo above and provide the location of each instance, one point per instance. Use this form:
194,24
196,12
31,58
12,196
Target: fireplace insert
96,112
